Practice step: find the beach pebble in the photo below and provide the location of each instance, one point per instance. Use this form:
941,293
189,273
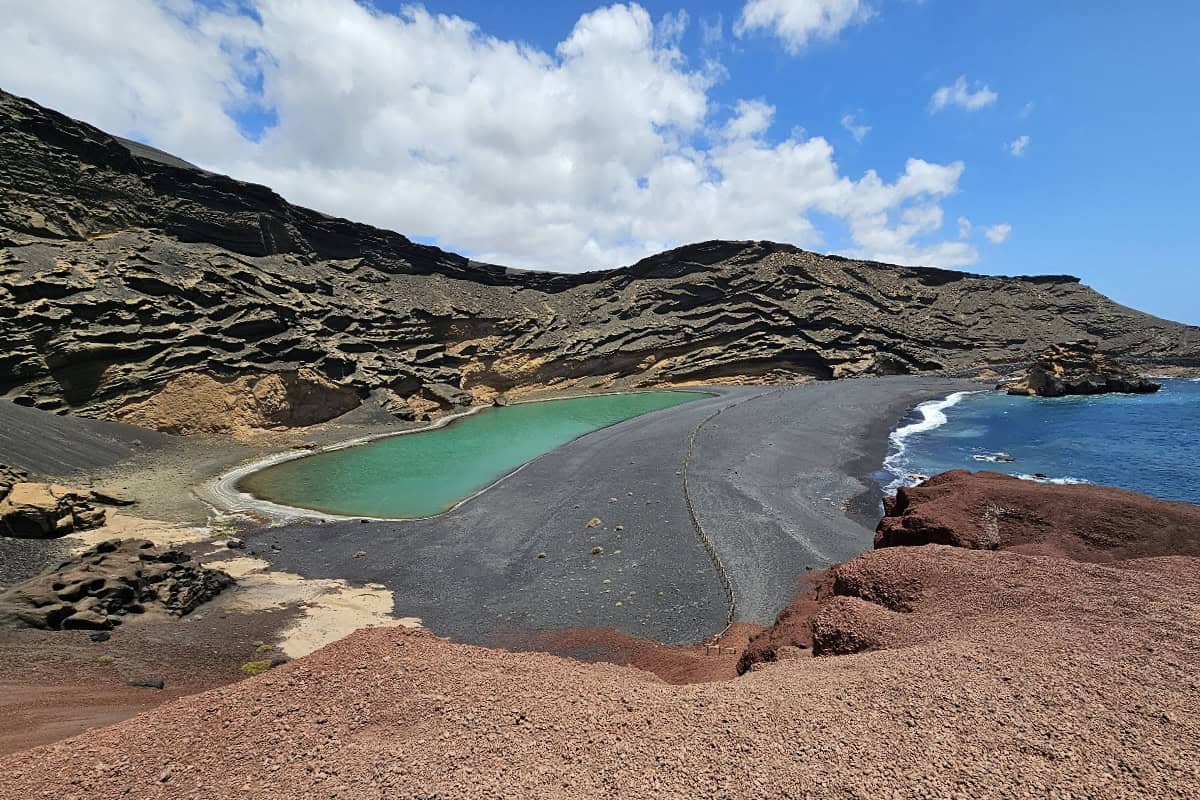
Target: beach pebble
594,522
597,550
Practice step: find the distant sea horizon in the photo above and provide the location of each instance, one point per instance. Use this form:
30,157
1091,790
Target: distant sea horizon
1147,443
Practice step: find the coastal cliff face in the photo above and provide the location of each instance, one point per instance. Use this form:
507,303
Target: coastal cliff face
131,282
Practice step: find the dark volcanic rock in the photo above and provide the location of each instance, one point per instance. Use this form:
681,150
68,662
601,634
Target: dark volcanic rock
123,271
112,497
96,588
1079,368
927,575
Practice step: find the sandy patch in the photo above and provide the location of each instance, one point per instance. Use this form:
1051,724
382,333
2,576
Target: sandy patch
124,526
330,609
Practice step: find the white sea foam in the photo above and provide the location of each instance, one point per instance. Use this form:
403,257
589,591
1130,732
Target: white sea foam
1067,481
994,458
933,415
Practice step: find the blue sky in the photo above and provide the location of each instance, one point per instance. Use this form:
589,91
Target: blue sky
327,103
1107,188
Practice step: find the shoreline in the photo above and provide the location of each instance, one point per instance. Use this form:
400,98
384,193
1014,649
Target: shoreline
850,467
533,566
1056,440
224,497
867,507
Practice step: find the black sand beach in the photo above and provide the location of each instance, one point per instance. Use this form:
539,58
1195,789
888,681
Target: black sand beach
777,477
773,480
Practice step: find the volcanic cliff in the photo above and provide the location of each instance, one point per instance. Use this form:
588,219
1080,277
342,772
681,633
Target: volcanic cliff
135,286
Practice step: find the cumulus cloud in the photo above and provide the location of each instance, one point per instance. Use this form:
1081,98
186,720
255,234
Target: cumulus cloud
964,227
798,22
597,153
998,234
959,94
1018,146
858,131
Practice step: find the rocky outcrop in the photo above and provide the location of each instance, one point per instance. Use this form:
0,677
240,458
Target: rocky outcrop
934,570
103,584
992,511
1079,368
46,511
124,271
10,476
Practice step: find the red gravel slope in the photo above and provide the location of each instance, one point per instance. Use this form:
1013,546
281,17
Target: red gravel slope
1014,674
964,672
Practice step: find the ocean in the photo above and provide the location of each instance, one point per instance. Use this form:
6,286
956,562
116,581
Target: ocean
1148,443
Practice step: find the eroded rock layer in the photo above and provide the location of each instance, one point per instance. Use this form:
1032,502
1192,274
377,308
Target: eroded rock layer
125,274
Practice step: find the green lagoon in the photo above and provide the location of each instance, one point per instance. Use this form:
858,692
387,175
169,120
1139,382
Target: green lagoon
425,473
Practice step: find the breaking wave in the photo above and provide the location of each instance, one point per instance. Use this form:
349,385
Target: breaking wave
932,415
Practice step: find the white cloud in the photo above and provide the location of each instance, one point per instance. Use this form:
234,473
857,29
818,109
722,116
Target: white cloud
859,132
712,32
1027,110
598,153
798,22
998,234
670,29
964,228
1018,146
958,94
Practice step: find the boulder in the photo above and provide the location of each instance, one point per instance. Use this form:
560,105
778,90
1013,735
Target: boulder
1078,368
46,511
393,403
447,395
93,590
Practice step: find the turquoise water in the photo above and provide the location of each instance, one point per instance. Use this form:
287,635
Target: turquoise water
1148,443
422,474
